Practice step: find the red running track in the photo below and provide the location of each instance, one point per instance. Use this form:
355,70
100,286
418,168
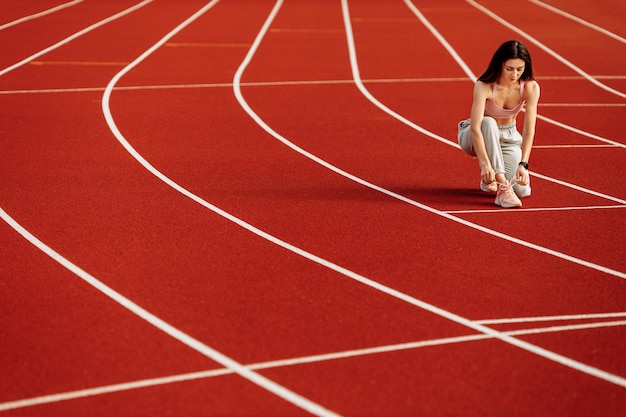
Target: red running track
266,214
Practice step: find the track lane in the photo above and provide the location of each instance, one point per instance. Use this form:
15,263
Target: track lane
273,219
159,164
32,169
616,155
215,119
99,197
57,336
23,41
96,53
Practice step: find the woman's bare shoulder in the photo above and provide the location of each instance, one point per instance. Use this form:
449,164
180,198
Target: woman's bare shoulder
482,89
532,88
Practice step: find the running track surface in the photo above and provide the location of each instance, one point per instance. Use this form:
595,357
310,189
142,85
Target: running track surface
257,208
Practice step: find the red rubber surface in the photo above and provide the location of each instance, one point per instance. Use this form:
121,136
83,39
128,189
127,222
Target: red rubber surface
430,237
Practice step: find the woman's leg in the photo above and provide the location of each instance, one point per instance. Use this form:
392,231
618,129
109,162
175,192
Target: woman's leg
491,135
512,153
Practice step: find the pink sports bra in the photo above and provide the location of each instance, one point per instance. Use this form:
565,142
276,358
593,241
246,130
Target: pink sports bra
493,110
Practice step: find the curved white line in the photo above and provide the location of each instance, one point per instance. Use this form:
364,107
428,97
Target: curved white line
546,49
40,14
579,20
254,377
74,36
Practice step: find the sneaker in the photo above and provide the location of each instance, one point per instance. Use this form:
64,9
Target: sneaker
488,188
506,197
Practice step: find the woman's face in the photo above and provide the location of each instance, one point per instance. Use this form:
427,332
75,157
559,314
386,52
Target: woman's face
512,69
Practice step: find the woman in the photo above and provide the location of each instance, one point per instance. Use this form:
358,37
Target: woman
490,134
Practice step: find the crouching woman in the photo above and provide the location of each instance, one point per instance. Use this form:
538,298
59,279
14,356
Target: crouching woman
505,89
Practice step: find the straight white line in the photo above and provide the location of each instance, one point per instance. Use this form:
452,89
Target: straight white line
579,188
578,77
254,377
74,36
526,210
582,104
573,146
546,49
579,20
40,14
554,318
286,83
581,132
191,376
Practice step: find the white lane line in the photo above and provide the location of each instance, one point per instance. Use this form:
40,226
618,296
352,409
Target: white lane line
191,376
606,105
572,146
551,52
581,132
74,36
569,317
40,14
579,188
579,20
254,377
526,210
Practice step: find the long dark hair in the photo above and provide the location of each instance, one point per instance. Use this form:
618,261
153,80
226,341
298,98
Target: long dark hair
508,50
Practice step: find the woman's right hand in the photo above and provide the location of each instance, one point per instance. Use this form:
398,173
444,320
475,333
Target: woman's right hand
487,174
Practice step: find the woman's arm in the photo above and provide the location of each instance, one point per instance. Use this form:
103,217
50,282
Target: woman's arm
528,132
481,93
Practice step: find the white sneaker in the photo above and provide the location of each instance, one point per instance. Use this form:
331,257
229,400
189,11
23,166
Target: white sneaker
505,196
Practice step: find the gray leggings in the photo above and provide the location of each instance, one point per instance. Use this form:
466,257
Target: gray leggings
503,145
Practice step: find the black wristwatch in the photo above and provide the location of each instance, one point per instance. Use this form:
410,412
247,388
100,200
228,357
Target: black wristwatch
524,164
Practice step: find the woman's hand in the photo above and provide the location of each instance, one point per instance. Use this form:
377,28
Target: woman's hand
487,174
521,176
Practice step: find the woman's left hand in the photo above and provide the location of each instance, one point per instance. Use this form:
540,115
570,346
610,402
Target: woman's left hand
521,176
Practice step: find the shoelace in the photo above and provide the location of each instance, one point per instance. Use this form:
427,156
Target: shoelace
507,184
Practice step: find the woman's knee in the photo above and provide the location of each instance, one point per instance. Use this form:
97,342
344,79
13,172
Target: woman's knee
521,190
